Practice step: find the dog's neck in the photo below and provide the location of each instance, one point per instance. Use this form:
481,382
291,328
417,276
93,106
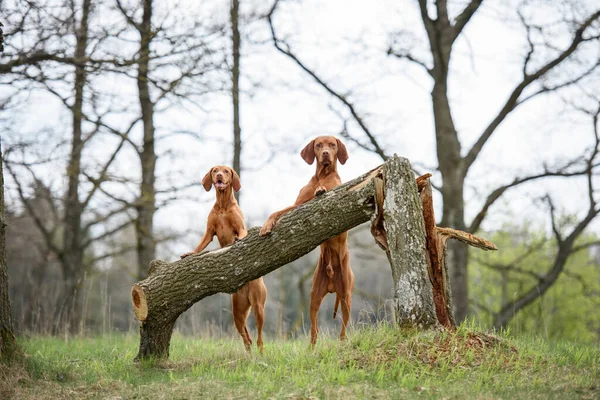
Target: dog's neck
325,170
225,198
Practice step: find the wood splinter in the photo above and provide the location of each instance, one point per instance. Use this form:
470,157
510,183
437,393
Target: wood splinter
436,239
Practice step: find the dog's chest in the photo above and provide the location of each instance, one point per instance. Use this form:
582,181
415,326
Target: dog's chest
224,230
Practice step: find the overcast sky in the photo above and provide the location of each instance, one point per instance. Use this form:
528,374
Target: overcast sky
345,41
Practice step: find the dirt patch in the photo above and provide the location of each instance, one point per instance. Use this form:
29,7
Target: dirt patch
11,378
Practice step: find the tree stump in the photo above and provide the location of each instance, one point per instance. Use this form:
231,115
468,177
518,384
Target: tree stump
400,232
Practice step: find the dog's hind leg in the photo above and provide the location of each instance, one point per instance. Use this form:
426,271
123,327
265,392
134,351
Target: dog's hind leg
258,298
241,309
346,304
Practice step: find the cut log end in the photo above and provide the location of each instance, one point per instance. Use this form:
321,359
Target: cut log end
140,305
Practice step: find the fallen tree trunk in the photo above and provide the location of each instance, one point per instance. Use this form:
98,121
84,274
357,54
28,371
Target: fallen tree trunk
387,195
172,288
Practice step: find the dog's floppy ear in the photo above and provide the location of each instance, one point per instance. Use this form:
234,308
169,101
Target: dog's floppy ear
308,153
207,180
342,153
236,184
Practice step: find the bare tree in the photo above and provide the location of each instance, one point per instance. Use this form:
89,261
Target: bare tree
76,235
33,34
190,52
566,242
442,31
235,88
8,343
72,252
146,204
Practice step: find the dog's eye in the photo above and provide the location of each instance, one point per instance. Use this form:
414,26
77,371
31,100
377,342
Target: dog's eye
214,170
226,171
332,145
318,145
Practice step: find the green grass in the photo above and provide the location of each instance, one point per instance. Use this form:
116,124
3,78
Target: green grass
373,363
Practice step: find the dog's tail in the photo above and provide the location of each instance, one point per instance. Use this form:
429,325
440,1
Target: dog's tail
329,270
335,308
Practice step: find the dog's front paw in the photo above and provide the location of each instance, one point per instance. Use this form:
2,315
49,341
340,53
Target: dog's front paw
266,228
320,191
184,255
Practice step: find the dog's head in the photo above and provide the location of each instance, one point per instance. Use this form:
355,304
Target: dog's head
326,149
222,177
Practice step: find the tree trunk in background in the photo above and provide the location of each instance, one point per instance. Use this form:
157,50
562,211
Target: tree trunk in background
451,168
8,343
69,310
450,160
144,227
458,252
235,90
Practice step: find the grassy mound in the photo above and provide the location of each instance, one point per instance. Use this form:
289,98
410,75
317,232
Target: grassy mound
373,363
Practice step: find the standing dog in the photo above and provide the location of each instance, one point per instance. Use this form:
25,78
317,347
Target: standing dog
333,273
226,221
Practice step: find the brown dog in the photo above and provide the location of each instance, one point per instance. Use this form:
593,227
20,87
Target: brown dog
226,221
333,273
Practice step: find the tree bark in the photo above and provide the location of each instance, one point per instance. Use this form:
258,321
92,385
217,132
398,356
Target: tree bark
8,343
144,227
69,310
235,90
404,241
